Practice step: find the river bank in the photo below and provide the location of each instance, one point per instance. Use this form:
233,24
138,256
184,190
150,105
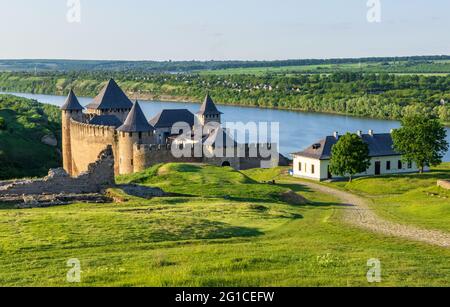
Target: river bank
297,130
192,100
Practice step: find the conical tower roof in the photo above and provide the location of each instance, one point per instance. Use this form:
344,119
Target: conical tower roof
111,97
71,103
136,121
208,107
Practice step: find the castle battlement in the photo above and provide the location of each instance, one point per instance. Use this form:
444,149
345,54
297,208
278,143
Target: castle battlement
89,129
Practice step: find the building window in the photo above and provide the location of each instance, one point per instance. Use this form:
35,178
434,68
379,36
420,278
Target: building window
400,164
388,165
409,165
132,162
140,135
131,134
300,167
313,169
306,167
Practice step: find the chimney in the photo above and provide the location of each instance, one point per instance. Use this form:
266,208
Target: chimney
336,135
371,133
359,133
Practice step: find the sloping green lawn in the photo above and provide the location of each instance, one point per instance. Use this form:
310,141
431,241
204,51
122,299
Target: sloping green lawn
204,181
239,237
410,199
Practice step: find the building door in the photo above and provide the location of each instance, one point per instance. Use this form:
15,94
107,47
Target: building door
329,175
378,168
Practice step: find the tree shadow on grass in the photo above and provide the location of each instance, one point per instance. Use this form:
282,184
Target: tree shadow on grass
6,206
431,175
188,168
225,231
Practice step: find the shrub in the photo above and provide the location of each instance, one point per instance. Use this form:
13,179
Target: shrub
3,124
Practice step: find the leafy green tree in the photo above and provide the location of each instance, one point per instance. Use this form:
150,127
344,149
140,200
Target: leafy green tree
444,113
349,156
2,124
421,140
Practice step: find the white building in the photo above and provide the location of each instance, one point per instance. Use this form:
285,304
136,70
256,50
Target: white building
313,162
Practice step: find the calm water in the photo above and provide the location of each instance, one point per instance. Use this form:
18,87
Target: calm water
298,130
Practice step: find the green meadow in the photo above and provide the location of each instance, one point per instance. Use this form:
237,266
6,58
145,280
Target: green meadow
219,227
402,67
409,199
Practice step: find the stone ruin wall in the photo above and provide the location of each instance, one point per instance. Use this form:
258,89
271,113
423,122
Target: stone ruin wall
87,142
99,175
445,184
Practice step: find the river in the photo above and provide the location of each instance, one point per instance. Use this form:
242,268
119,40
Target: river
298,130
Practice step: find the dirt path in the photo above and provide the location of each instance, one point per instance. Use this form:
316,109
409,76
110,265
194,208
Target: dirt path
359,214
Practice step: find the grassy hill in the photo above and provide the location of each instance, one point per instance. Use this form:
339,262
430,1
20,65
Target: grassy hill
23,124
238,233
381,64
204,181
410,199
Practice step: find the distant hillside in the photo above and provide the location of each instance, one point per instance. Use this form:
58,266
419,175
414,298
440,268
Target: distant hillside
429,64
23,125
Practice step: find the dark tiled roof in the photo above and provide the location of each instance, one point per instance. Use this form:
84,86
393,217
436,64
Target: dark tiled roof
380,145
208,107
72,103
111,97
167,118
106,120
136,121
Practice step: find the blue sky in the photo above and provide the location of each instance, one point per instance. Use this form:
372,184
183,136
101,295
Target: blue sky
222,29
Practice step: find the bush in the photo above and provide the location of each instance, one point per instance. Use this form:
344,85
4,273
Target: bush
3,124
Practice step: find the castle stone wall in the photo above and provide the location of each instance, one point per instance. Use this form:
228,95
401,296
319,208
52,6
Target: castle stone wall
445,184
87,142
146,156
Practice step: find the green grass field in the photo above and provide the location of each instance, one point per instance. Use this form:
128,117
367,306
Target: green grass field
409,199
405,68
225,229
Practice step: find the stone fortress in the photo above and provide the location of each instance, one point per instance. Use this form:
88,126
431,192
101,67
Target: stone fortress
111,119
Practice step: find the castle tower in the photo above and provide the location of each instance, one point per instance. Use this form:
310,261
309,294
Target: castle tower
71,109
209,112
135,130
111,101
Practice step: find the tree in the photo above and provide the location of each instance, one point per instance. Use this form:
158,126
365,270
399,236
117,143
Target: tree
349,156
444,113
2,123
421,140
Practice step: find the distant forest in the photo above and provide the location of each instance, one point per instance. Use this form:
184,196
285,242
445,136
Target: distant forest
423,63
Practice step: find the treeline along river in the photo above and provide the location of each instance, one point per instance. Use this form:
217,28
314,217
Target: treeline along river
297,129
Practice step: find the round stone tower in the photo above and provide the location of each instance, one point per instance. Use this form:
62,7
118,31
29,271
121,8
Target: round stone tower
71,109
135,130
